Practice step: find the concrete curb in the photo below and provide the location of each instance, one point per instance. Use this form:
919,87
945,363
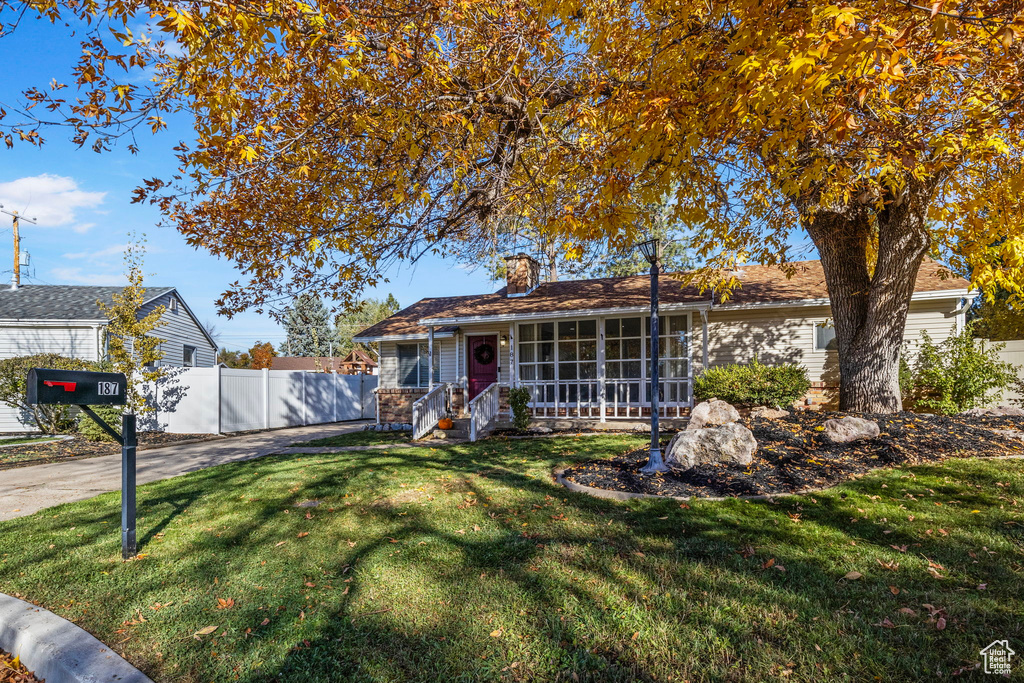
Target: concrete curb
56,650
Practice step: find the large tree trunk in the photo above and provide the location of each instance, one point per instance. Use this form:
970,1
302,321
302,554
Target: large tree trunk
869,310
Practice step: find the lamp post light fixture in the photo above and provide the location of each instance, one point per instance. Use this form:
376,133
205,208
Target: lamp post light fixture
651,249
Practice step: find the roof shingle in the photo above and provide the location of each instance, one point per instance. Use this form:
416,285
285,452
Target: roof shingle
61,302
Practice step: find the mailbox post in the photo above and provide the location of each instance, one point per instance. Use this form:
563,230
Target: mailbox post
84,389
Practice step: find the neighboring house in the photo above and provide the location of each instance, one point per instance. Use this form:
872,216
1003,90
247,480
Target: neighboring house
581,346
66,320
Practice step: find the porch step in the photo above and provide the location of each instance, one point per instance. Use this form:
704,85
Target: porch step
458,432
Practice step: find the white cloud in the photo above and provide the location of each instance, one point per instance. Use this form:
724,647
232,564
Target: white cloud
80,276
106,252
50,199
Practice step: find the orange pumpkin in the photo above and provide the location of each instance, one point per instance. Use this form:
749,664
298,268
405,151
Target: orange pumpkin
445,423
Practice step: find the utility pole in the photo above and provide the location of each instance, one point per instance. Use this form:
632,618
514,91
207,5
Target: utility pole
15,219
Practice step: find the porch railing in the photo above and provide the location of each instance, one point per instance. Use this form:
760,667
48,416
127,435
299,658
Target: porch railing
622,398
430,408
483,410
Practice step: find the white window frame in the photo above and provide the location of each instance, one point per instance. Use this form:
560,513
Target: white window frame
815,324
194,354
422,351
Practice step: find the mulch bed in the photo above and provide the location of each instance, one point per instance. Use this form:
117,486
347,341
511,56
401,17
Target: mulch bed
79,447
14,672
793,455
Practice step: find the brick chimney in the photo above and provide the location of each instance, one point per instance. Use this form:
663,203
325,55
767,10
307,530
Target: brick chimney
522,275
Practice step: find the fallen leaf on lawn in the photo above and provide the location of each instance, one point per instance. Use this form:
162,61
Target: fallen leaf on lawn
205,631
768,564
303,534
885,623
982,586
225,603
894,590
310,584
264,622
852,576
780,568
909,612
639,554
280,544
940,623
901,548
935,573
495,634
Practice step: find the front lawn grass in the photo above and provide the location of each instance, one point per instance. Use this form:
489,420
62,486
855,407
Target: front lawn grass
367,438
467,563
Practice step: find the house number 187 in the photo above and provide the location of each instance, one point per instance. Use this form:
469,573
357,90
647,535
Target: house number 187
107,388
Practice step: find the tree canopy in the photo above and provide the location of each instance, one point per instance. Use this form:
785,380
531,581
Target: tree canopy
388,130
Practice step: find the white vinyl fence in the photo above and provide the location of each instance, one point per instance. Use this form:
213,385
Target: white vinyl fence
1012,353
217,400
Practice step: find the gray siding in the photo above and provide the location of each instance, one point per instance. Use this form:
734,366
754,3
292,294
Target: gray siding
180,329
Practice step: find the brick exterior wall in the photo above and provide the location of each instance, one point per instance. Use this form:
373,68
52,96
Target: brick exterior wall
396,404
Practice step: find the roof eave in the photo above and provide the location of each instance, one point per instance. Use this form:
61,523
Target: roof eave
541,315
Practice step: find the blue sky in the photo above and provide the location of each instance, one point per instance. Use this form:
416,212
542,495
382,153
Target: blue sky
83,204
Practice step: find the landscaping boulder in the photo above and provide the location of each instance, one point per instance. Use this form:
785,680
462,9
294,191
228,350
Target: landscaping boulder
731,443
768,413
439,434
713,413
847,429
540,430
998,411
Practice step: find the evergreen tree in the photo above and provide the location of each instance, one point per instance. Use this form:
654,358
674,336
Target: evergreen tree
351,323
675,257
307,324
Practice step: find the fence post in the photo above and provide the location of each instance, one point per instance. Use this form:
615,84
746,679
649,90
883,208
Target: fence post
305,418
335,377
220,407
266,397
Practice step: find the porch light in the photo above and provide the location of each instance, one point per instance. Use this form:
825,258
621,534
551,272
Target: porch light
651,249
504,340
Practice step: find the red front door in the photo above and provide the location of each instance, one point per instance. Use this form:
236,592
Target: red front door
483,363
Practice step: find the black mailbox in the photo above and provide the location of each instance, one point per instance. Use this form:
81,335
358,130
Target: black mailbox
76,387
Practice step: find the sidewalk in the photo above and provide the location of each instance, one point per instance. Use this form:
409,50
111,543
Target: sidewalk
26,490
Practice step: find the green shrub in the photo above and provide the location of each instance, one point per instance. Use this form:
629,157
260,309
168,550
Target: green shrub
518,401
13,386
753,384
957,374
88,428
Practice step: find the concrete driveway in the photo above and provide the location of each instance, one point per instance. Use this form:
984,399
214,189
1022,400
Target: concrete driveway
25,490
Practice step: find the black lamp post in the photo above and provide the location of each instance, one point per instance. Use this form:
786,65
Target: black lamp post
651,249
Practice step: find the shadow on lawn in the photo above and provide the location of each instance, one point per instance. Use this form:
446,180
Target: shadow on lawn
633,548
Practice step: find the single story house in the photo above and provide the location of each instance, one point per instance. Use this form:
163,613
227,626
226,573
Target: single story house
66,320
581,346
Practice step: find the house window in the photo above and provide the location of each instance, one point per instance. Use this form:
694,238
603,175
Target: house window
825,336
188,356
413,360
626,344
